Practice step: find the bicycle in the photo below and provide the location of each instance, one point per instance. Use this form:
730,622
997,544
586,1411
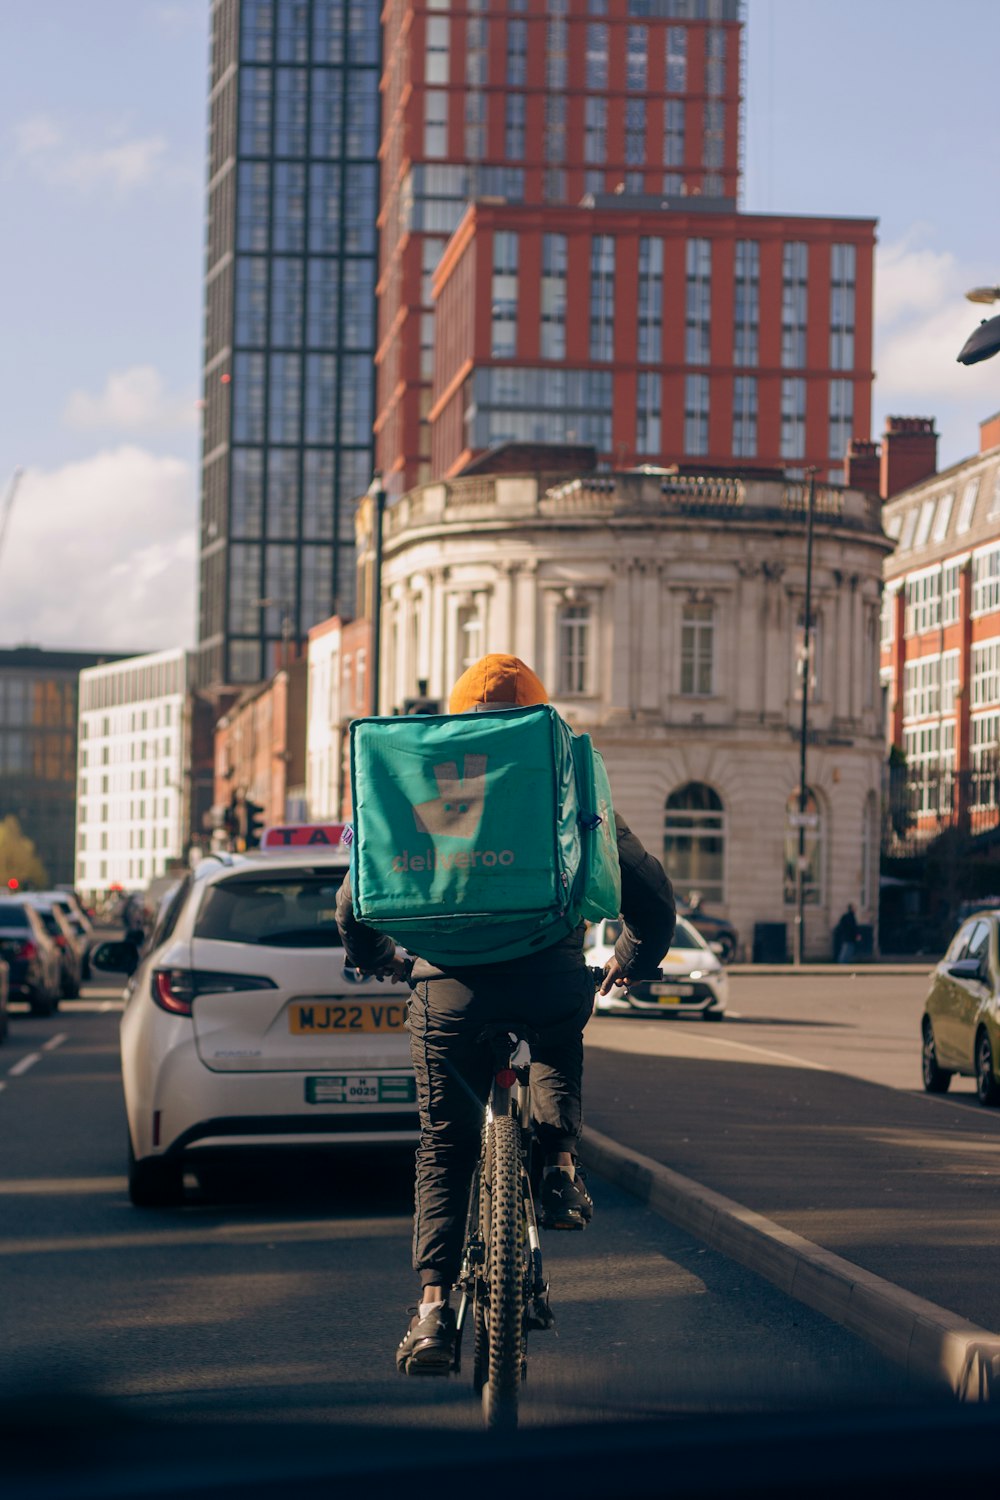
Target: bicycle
502,1279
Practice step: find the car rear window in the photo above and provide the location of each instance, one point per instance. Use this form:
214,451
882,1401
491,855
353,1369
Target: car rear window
293,913
49,921
12,915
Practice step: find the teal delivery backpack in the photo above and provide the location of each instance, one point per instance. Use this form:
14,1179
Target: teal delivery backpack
480,837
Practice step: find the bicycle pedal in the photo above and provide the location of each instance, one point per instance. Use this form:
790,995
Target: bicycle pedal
539,1315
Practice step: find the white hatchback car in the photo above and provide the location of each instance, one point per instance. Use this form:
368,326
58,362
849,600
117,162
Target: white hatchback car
242,1027
694,981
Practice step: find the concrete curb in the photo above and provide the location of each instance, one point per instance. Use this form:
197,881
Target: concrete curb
841,971
927,1340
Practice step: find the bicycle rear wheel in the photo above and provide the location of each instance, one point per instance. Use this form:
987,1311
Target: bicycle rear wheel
506,1276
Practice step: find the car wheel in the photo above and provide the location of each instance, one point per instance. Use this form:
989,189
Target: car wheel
43,1005
714,1014
936,1079
4,1024
726,945
70,989
154,1182
986,1083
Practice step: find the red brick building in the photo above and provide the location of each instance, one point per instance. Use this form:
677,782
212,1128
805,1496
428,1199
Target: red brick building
657,334
941,638
260,747
537,103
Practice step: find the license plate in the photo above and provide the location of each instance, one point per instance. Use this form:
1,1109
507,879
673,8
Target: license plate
668,994
325,1017
669,999
360,1088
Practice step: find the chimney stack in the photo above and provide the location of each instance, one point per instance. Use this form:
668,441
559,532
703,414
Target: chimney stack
862,469
989,433
909,453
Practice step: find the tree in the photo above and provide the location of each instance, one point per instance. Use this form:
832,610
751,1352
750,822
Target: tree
19,859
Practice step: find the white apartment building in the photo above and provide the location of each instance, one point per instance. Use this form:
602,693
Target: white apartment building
132,776
323,721
665,615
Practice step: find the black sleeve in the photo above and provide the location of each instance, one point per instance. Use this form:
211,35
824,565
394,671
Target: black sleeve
364,947
648,909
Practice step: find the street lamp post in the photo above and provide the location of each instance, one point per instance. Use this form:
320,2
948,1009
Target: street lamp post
376,492
800,867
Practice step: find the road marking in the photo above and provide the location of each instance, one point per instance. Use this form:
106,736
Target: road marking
54,1042
666,1042
24,1064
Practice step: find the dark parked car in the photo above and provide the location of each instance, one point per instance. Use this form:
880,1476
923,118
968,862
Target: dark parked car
31,956
721,934
71,945
82,926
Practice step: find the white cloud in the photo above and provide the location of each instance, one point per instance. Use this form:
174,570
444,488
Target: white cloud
101,554
922,319
61,159
133,400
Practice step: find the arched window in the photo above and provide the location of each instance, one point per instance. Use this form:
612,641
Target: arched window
812,871
694,841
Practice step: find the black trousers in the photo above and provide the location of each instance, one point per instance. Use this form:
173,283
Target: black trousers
454,1073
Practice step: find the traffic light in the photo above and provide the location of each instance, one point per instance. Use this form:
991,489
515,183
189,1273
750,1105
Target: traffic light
254,824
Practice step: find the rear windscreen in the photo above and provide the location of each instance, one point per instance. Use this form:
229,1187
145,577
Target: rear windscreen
49,922
296,913
12,915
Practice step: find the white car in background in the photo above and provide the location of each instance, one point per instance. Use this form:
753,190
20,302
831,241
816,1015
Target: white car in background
242,1028
693,983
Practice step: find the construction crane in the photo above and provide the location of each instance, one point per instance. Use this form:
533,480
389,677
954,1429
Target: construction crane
8,505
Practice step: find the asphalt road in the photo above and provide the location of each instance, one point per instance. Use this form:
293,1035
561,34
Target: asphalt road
805,1105
279,1291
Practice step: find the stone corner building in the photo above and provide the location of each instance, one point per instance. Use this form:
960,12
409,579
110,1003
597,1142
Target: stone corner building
665,614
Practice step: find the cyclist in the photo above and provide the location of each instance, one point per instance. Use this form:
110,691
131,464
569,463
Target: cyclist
552,992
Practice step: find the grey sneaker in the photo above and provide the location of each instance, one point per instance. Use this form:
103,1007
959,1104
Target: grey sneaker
428,1345
564,1202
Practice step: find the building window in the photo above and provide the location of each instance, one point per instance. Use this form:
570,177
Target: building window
745,416
922,688
555,54
673,133
794,288
747,302
574,627
436,52
694,841
475,125
698,649
514,128
647,419
923,602
843,271
950,593
595,142
635,132
517,53
943,516
713,143
986,674
597,55
602,296
476,51
504,294
635,57
793,418
842,419
650,300
812,872
715,61
676,59
986,761
553,337
435,123
696,415
468,637
985,581
926,512
967,509
698,306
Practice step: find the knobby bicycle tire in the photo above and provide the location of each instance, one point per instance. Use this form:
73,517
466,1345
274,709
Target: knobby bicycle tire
506,1276
479,1215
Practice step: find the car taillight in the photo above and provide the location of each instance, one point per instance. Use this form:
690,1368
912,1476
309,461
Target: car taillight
27,950
176,990
60,941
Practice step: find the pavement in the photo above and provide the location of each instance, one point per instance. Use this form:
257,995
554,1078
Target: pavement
875,1205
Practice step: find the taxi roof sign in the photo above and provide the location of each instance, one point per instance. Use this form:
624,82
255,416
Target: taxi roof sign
306,836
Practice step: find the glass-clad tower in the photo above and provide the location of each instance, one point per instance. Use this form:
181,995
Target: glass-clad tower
289,323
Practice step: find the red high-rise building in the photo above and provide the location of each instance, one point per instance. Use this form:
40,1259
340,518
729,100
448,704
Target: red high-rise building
534,102
656,334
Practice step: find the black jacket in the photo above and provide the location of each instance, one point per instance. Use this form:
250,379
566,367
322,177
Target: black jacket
647,908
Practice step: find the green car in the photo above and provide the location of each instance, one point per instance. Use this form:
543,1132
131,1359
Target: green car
960,1027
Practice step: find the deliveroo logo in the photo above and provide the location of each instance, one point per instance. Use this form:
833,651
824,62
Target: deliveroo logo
457,811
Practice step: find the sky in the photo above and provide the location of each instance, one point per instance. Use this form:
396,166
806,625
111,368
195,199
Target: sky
872,108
